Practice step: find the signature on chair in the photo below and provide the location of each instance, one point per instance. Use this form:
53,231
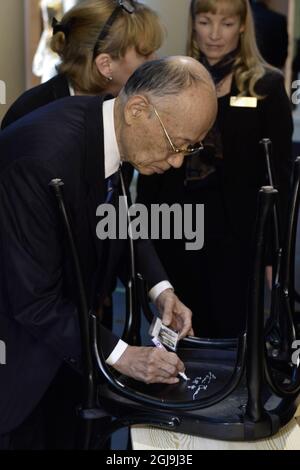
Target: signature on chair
201,383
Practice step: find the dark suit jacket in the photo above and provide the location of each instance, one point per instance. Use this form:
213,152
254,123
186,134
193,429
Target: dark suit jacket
52,90
271,34
38,318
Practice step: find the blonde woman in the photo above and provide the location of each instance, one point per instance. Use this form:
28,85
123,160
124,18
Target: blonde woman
100,44
228,174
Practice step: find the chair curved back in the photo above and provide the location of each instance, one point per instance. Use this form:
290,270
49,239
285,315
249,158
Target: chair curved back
143,404
255,324
283,300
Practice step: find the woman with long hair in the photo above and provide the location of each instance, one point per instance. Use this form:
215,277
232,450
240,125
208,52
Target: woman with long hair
228,174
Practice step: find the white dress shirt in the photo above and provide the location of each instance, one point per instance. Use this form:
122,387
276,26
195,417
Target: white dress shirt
112,162
71,90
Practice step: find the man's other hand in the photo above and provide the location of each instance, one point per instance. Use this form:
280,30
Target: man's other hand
174,313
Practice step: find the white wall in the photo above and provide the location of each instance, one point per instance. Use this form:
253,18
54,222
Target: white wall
12,62
174,14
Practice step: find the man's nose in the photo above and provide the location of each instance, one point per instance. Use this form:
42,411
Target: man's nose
176,160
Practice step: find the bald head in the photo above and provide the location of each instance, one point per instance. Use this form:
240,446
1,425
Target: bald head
191,70
168,76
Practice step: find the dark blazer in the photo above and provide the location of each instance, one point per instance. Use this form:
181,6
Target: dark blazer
54,89
38,318
271,34
41,95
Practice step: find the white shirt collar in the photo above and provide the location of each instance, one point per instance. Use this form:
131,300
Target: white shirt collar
71,90
112,159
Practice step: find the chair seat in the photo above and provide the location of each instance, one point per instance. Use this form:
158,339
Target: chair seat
209,371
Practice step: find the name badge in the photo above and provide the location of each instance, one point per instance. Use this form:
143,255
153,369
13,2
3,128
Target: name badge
243,102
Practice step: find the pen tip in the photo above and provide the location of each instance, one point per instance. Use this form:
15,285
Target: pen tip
184,376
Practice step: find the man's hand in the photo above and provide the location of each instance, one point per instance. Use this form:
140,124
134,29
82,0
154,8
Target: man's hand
150,365
174,313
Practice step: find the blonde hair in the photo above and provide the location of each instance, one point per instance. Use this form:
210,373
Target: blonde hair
249,66
83,23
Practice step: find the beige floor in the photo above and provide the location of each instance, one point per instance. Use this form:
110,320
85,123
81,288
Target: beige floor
147,438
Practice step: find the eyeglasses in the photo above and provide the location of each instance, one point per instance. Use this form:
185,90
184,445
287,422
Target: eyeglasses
126,5
191,149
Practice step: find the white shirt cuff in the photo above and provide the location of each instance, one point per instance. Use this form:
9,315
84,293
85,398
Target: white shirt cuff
117,353
155,292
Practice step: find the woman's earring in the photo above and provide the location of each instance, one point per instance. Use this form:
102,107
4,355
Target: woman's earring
109,79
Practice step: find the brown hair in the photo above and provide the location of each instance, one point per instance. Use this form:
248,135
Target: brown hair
83,23
249,66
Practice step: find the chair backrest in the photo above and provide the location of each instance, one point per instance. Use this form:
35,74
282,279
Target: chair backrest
289,249
283,301
255,307
91,337
255,342
89,393
283,298
280,327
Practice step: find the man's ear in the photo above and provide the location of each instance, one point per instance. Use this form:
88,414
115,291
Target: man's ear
137,108
104,65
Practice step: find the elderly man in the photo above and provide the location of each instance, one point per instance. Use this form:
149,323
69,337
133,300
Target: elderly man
83,140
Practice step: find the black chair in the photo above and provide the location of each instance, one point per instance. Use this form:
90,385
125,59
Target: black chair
279,329
237,392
